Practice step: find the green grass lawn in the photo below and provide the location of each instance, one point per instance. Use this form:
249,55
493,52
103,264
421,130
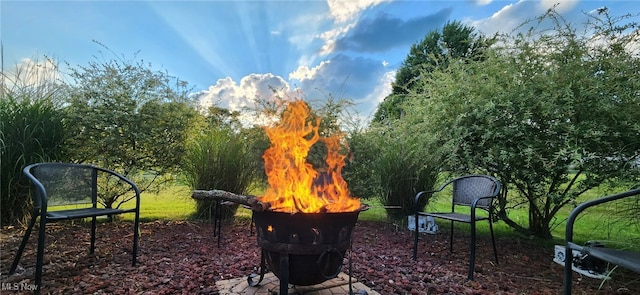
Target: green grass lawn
175,203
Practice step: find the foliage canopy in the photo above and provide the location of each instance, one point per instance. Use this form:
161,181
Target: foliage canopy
456,42
551,112
127,117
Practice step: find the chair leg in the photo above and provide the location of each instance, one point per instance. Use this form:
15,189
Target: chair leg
451,239
136,230
493,241
472,259
568,269
25,239
415,240
93,235
40,255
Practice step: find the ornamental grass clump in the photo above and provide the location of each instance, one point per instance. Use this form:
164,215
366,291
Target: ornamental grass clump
31,130
222,160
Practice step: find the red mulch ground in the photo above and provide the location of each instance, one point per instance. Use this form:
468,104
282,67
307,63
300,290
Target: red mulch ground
183,258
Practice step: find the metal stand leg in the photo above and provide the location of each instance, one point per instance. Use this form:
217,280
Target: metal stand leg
262,270
217,221
284,274
350,264
360,292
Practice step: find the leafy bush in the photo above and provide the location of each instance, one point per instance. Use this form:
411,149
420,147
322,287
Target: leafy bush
219,159
126,116
360,170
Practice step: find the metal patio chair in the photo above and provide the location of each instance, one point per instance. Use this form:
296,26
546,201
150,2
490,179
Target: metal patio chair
64,191
624,258
474,191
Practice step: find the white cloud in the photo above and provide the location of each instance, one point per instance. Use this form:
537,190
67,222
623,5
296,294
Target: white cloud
345,11
302,34
301,30
363,81
505,20
345,15
330,37
303,73
228,94
382,89
513,15
366,82
32,73
562,5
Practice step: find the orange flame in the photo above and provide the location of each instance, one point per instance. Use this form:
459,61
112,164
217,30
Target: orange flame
294,184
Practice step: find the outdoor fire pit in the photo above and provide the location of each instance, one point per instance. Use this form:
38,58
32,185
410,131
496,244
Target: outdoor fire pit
305,219
300,249
304,248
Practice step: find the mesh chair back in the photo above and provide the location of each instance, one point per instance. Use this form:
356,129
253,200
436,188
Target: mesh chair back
65,184
465,189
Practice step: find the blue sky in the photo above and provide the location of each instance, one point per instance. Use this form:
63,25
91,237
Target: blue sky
233,51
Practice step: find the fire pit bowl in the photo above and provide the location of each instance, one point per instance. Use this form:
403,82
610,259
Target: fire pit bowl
304,248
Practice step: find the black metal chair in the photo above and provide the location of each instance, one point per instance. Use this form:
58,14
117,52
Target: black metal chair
474,191
75,188
623,258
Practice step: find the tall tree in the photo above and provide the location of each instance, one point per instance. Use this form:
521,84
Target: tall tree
552,113
130,118
436,50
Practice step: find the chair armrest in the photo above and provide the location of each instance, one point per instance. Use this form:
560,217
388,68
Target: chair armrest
42,192
576,211
474,204
422,193
123,178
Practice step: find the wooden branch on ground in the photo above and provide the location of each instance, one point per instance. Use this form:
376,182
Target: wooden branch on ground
250,201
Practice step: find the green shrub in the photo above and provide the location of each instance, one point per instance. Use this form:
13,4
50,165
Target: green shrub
126,116
390,166
403,173
219,159
360,169
31,130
